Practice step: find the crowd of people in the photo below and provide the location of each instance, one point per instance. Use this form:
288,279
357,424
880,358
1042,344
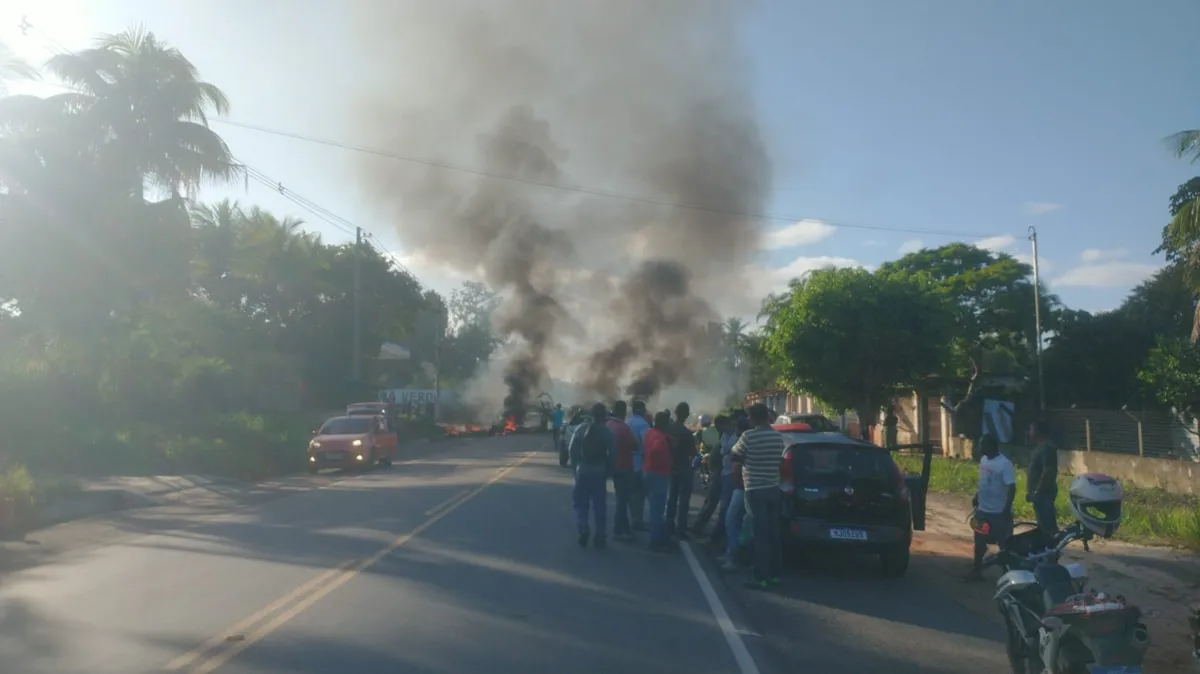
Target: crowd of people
651,460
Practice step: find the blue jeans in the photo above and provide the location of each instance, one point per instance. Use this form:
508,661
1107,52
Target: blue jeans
679,501
656,487
723,507
623,486
766,503
733,523
637,500
591,491
1044,513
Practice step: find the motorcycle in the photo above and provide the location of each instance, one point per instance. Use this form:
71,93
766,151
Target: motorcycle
1054,624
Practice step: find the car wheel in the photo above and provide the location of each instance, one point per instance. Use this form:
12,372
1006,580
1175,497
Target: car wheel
312,470
368,462
386,461
893,562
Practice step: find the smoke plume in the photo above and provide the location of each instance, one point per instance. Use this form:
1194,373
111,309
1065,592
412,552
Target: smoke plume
523,118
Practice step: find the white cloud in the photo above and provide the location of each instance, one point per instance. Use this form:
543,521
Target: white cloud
910,246
1106,275
1094,255
432,273
796,234
1040,207
997,244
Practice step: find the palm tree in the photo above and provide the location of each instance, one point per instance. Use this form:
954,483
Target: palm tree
13,68
147,108
1182,233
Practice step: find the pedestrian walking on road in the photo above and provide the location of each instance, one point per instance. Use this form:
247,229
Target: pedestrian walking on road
556,423
1041,483
683,451
593,452
622,470
639,423
993,517
656,477
761,449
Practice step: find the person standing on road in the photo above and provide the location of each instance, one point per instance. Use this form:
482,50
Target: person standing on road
710,440
761,449
736,514
638,424
656,476
556,421
993,518
622,469
1041,482
593,451
683,451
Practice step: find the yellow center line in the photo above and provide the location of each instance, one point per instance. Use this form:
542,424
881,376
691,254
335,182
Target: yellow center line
303,597
447,503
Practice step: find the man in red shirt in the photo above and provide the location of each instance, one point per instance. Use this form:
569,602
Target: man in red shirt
623,480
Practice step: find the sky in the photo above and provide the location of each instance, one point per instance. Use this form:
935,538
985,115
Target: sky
891,125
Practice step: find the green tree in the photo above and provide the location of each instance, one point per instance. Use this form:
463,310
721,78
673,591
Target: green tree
1172,375
852,338
991,297
145,109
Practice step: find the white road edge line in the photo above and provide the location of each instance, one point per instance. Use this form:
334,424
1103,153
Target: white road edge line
733,637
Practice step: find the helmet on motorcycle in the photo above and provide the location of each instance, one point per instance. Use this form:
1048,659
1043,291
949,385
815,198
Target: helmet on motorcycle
1095,500
705,420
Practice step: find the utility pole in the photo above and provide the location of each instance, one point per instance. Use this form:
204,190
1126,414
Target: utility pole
1037,321
437,374
356,369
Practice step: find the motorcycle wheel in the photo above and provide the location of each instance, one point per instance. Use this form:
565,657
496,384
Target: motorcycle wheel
1018,661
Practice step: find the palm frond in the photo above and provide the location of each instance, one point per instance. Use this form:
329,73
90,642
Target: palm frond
1185,144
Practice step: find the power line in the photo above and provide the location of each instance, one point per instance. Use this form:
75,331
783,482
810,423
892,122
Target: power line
26,26
576,188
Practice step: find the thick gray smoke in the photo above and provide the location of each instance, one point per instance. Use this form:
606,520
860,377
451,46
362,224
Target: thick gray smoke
644,99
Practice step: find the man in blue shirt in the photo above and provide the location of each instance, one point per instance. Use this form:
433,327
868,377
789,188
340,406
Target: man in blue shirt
556,421
593,452
637,503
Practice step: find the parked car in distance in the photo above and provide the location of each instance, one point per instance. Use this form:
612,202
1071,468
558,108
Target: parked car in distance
357,441
847,493
818,422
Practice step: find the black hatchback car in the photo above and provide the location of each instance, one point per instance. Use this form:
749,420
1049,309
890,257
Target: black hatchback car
848,493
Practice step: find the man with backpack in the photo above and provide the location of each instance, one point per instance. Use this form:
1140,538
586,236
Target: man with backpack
593,452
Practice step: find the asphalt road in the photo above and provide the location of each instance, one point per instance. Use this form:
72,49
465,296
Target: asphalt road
464,561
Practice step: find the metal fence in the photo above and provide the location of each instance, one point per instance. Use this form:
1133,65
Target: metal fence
1150,434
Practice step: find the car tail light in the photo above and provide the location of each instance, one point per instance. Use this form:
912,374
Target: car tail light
901,485
786,483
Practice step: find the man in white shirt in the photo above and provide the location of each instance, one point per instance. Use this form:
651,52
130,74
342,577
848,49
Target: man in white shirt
993,519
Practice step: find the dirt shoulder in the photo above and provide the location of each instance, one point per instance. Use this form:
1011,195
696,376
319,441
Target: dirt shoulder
1164,582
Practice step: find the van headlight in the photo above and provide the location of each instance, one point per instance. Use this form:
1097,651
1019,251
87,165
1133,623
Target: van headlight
314,444
356,443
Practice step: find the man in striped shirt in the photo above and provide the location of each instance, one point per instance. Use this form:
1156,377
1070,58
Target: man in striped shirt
760,450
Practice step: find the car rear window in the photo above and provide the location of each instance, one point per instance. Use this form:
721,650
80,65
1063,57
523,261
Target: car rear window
347,426
818,423
822,463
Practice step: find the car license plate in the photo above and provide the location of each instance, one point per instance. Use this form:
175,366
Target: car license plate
333,456
848,534
1114,669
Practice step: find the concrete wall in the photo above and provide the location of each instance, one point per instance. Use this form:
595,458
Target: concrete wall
1178,477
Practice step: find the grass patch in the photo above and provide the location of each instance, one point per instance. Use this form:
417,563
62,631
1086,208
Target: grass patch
1151,515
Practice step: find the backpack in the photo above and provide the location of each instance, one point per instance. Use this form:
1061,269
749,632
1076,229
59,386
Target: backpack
594,449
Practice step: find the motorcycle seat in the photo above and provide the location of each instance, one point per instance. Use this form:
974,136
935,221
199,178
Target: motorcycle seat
1055,581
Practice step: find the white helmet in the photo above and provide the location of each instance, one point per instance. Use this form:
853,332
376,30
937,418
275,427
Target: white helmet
1096,502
